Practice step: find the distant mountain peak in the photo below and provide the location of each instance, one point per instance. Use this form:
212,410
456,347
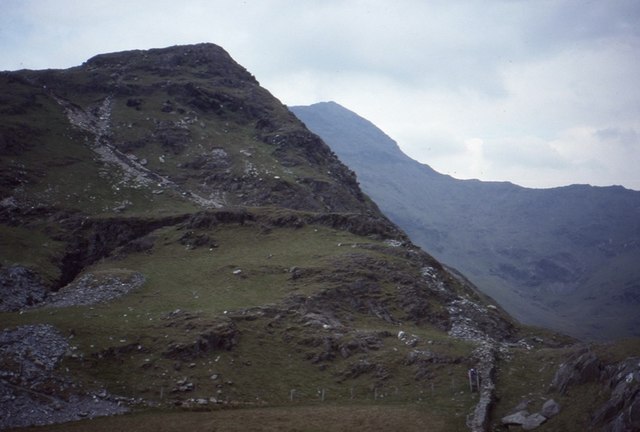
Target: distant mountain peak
545,254
353,138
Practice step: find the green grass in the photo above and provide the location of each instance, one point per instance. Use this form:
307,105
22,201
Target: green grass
283,419
122,342
32,248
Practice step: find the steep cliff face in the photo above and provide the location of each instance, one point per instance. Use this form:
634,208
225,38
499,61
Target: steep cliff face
172,236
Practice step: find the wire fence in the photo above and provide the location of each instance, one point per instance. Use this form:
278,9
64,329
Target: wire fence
389,393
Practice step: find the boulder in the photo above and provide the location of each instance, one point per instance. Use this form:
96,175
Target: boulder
550,409
581,368
517,418
533,421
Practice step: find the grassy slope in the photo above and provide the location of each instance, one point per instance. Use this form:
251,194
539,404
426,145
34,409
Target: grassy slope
317,418
270,359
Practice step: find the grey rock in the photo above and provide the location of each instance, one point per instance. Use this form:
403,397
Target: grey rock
621,412
533,421
93,288
579,369
550,409
517,418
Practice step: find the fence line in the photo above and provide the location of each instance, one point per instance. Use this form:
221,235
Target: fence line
379,393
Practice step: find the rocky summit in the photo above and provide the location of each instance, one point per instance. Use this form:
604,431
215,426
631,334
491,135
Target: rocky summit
175,243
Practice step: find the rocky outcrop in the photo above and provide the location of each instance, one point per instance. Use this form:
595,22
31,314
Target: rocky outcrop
621,412
210,335
580,368
90,239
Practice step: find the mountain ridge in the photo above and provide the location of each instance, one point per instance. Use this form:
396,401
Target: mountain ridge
546,243
177,244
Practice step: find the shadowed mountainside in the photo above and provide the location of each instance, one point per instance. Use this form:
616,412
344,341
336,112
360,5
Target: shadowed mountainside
564,258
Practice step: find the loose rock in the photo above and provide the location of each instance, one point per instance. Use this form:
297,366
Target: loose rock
517,418
550,409
533,421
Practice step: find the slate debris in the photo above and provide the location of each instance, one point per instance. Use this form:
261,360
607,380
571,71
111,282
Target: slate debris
33,391
92,288
20,287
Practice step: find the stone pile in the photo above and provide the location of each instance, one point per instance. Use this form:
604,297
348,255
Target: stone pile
95,288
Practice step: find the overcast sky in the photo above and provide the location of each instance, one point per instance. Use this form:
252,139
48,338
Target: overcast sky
541,93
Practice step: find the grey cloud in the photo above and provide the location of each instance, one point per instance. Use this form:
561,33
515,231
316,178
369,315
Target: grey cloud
577,21
623,136
524,152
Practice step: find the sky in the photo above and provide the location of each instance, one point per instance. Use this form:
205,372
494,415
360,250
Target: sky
541,93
